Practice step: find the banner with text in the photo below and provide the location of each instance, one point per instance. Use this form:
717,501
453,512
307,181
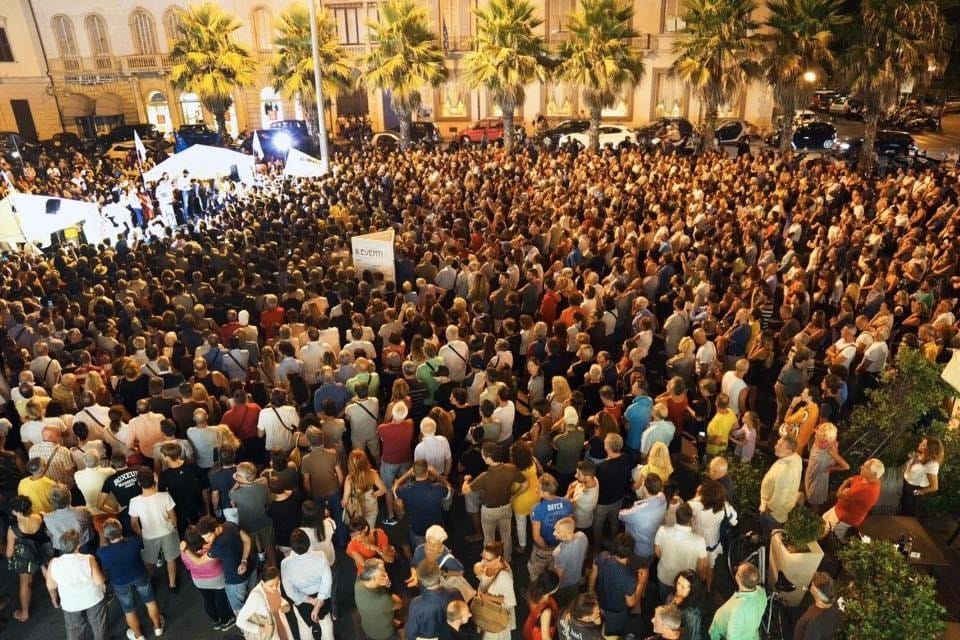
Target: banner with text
374,252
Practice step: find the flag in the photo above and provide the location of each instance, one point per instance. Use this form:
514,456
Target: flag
9,181
257,147
141,150
446,36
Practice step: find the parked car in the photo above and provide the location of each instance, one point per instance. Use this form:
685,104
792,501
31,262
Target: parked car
838,106
856,109
191,134
888,143
123,150
551,137
912,117
488,130
733,131
809,137
611,135
64,141
951,104
421,133
650,134
804,116
124,132
16,150
820,100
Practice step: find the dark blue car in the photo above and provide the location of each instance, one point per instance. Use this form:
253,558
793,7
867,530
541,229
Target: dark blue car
191,134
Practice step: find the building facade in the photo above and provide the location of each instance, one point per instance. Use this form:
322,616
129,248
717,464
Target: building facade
109,64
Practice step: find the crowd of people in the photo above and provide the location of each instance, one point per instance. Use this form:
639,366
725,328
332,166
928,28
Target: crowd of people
569,340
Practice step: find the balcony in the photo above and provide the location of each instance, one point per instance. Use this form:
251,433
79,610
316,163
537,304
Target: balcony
103,63
355,49
148,63
72,64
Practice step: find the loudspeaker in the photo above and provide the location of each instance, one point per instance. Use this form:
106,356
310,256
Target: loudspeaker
53,205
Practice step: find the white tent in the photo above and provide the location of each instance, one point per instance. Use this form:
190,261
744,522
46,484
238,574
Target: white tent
300,165
30,218
204,163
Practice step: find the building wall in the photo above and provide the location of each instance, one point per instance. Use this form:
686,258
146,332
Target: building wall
118,85
26,77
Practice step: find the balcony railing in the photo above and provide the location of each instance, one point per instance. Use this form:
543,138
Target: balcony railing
103,63
72,64
140,63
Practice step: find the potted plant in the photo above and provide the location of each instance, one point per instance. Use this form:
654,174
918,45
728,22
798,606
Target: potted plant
885,597
796,551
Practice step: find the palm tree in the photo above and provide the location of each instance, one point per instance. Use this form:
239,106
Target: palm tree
404,58
798,42
716,53
292,67
599,56
895,41
208,61
507,55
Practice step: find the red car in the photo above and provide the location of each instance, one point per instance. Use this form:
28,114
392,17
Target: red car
489,130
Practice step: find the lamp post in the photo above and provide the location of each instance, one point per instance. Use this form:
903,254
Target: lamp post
321,117
810,76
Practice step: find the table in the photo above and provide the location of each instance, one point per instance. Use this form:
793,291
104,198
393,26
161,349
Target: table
889,528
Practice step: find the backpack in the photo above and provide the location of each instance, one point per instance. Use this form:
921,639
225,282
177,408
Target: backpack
726,532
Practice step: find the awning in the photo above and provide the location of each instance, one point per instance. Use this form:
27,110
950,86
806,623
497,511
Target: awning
76,105
109,105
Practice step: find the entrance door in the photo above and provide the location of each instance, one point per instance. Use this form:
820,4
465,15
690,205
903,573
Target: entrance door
24,118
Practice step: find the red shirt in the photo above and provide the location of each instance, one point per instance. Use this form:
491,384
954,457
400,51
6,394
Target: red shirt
271,318
242,420
354,546
227,331
396,438
548,306
856,503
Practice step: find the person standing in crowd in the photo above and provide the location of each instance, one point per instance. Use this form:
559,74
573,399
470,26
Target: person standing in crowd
396,453
497,586
921,475
123,565
546,513
153,517
427,614
250,496
821,620
582,620
323,477
308,582
667,623
679,548
568,559
422,499
375,604
779,487
267,614
496,488
77,586
739,618
618,587
644,519
233,548
613,475
855,499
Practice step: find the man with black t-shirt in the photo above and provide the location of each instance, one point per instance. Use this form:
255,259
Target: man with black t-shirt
122,486
822,618
472,464
231,545
613,475
182,481
582,621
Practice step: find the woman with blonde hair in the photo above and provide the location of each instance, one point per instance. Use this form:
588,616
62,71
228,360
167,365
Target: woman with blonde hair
267,369
825,458
362,489
683,364
559,398
658,462
399,393
199,394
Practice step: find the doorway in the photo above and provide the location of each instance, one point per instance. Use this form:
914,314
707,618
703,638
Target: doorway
24,118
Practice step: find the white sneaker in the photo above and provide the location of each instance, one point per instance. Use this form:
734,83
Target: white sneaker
159,632
131,636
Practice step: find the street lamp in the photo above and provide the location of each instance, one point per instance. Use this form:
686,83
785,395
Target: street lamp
810,76
321,119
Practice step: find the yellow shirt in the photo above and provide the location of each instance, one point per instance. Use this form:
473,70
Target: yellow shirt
39,493
523,503
719,429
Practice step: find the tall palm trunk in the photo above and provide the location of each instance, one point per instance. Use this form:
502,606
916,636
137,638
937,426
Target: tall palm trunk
311,116
404,116
221,118
507,107
596,113
870,121
710,125
786,132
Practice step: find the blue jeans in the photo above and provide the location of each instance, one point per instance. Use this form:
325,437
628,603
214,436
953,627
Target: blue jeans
128,604
237,593
332,502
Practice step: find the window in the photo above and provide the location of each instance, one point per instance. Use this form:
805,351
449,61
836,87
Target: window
558,12
6,53
350,24
453,24
171,26
144,32
670,99
671,12
560,100
66,39
454,99
262,31
97,33
192,111
271,108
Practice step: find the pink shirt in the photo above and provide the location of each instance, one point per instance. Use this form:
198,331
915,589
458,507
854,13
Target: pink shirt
206,571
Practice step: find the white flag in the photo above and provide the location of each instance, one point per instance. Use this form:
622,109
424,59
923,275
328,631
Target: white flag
141,150
9,180
257,148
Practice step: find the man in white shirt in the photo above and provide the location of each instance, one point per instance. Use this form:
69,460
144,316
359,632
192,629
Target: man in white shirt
455,354
278,423
706,352
311,355
779,487
505,414
363,414
843,350
45,369
679,549
735,387
77,586
89,481
153,518
357,343
308,582
164,193
433,448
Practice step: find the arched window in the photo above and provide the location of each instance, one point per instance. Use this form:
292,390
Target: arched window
262,23
191,108
66,38
171,25
144,32
97,34
158,111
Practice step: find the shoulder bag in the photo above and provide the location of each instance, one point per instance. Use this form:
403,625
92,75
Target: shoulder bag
489,616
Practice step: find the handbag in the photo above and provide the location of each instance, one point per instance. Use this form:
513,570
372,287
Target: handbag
260,634
489,616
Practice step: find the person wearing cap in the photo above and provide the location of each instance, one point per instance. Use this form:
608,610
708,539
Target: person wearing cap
396,455
821,620
569,447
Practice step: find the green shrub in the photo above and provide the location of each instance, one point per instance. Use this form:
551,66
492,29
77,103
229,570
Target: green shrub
947,500
885,597
746,479
802,527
